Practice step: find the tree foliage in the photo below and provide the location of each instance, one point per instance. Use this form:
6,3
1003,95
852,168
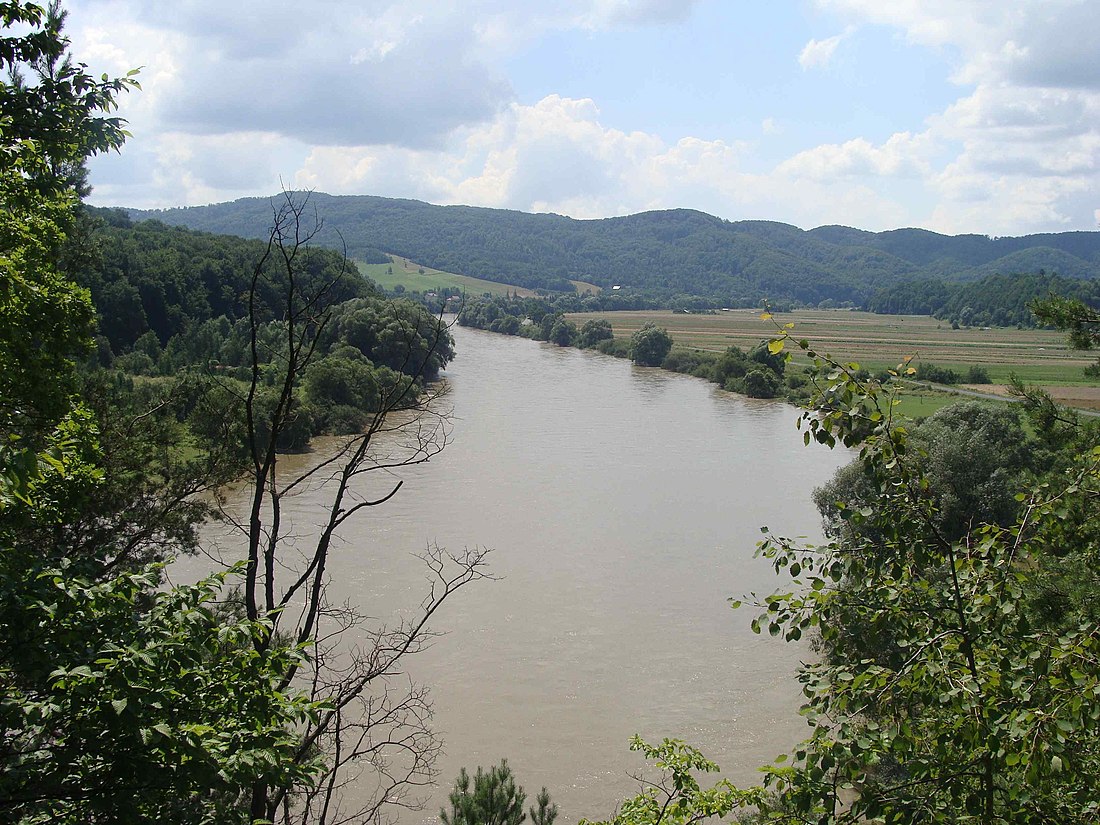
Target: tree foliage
677,252
119,701
1073,315
676,797
124,703
995,300
51,119
494,798
148,277
983,712
649,345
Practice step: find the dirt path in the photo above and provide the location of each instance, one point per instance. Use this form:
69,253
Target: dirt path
1085,400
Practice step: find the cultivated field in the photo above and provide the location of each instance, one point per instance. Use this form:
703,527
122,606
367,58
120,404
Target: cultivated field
881,341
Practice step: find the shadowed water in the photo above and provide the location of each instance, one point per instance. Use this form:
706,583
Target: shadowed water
623,505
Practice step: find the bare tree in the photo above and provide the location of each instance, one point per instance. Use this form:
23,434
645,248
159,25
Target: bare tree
373,728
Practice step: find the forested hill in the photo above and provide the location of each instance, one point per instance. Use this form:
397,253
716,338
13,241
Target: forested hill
669,252
150,278
995,300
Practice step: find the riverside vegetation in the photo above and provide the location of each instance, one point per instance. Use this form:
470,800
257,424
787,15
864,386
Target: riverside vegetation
123,698
954,597
757,373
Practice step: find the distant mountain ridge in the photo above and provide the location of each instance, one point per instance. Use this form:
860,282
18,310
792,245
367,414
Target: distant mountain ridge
665,252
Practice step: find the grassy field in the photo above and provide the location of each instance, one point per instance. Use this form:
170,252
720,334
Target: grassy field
406,273
401,271
877,342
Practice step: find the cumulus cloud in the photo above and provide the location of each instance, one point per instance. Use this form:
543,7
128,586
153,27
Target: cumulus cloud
1023,134
345,74
409,99
902,155
557,156
817,53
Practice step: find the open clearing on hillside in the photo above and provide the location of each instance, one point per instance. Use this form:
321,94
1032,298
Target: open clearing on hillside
406,273
403,272
1040,357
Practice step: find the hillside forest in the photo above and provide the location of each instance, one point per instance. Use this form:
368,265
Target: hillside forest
661,255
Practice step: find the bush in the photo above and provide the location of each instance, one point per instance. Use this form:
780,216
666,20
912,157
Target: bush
136,363
978,375
761,382
731,364
937,375
341,419
507,325
688,360
562,333
619,347
593,332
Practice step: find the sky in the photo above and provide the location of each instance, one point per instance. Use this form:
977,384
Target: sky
952,115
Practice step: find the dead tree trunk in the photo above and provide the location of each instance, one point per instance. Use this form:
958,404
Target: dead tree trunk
373,724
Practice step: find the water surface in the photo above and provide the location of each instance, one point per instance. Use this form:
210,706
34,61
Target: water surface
623,506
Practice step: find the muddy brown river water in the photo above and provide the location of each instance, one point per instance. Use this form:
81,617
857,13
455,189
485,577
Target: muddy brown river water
623,506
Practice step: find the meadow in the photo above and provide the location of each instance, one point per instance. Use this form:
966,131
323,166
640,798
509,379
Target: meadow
417,277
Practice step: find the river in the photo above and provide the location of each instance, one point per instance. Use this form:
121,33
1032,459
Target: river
623,506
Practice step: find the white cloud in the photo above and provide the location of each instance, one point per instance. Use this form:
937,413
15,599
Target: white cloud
359,73
902,155
612,12
409,99
817,53
1023,137
556,156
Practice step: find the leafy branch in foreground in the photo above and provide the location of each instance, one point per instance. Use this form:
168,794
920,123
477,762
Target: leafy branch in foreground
1073,315
974,709
133,704
676,797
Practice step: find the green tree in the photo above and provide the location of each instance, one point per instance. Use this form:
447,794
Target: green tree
675,797
51,120
1081,321
983,715
760,382
649,345
594,331
494,798
563,333
774,361
125,703
119,701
